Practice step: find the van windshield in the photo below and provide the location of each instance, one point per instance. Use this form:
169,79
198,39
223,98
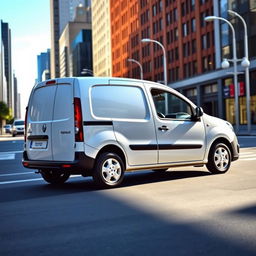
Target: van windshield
19,123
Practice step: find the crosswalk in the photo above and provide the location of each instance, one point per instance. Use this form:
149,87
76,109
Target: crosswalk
9,155
248,155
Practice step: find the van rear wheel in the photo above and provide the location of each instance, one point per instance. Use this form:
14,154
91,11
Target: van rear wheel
109,170
219,158
54,177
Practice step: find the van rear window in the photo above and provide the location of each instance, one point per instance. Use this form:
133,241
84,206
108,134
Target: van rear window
125,102
41,107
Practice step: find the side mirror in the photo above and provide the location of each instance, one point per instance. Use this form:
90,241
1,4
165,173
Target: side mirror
198,112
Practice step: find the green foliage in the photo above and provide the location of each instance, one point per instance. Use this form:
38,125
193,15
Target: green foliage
4,111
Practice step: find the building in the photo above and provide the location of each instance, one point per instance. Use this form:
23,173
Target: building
101,26
214,90
6,39
3,84
61,12
81,49
194,49
16,112
43,65
178,25
82,21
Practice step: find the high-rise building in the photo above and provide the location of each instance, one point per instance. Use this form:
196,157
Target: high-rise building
61,12
43,64
82,21
6,39
178,25
81,49
101,27
194,49
16,112
3,84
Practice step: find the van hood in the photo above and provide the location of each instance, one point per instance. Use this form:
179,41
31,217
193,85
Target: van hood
214,121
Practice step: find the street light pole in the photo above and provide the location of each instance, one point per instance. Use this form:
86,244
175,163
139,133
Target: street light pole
141,70
247,74
147,40
211,18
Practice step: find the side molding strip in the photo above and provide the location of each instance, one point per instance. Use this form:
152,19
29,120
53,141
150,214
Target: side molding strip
95,123
164,146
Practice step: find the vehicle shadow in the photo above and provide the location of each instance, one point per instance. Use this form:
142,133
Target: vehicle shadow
80,185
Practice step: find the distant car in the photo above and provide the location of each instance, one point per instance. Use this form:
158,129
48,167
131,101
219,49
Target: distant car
7,128
17,127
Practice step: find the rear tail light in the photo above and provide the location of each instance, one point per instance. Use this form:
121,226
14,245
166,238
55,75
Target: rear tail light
50,82
25,131
79,134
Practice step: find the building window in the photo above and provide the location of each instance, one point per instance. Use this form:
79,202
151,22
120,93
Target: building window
193,25
176,53
204,42
175,14
191,92
194,67
176,34
192,5
204,64
184,29
193,46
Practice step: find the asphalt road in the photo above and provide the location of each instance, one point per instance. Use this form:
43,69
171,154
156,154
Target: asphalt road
185,211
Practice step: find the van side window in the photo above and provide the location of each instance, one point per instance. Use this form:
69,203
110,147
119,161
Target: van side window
170,106
123,102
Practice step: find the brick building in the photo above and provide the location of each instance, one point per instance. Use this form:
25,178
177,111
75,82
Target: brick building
178,25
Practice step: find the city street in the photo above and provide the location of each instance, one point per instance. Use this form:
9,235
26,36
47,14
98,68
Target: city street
186,211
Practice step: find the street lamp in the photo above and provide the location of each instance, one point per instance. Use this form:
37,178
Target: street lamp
148,40
141,70
86,71
245,63
234,60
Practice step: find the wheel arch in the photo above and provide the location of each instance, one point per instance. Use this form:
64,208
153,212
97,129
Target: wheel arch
226,142
113,149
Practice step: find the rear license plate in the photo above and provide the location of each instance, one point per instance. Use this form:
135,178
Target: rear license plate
41,144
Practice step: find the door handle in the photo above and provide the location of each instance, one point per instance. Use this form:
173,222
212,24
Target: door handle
163,128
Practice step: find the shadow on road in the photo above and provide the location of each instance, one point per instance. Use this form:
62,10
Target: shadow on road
28,191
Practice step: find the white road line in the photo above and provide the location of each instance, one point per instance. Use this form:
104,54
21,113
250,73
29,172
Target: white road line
11,152
248,159
29,180
14,174
7,156
19,181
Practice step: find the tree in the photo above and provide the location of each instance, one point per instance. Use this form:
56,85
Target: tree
4,114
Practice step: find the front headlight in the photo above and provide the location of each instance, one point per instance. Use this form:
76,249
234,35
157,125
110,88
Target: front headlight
230,126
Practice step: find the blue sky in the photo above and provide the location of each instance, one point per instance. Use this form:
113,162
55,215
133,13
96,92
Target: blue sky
29,21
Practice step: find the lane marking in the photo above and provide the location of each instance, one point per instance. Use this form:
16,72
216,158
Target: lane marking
248,159
7,156
11,152
29,180
14,174
19,181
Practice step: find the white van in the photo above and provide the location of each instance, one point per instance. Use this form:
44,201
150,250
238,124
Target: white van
102,127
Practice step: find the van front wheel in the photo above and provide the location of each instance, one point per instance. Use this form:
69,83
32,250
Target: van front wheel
109,170
219,159
54,177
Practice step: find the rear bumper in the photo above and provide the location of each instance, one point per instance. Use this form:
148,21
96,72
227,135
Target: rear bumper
81,163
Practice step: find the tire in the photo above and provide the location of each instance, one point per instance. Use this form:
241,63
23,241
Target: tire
13,135
160,170
54,177
109,170
219,158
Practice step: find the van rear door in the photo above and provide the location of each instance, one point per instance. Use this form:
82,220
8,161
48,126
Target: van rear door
63,131
51,122
39,122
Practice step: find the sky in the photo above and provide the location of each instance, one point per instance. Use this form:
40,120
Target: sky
29,21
